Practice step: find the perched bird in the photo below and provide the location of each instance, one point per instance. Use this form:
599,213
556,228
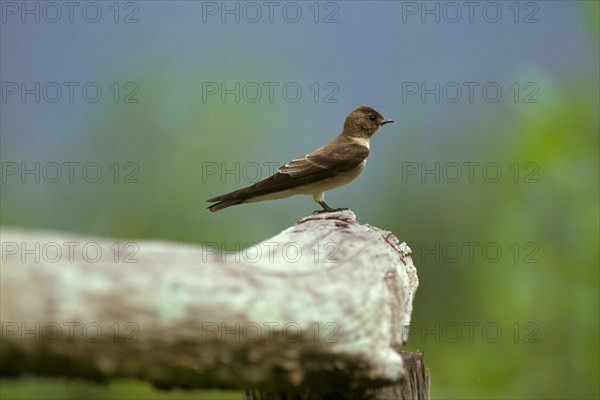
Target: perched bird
330,166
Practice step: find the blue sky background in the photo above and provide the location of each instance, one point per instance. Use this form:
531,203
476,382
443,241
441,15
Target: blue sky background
170,50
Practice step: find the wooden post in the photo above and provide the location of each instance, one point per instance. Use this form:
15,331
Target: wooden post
318,309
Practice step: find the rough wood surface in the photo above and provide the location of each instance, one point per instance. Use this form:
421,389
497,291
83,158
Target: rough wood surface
414,386
321,304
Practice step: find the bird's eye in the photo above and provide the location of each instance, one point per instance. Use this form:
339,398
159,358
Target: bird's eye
373,117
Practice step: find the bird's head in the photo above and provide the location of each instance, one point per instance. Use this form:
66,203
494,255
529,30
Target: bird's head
363,122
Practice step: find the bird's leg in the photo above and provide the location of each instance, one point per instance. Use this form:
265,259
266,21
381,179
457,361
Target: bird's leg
326,208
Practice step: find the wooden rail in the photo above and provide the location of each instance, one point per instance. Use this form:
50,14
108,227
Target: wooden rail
318,310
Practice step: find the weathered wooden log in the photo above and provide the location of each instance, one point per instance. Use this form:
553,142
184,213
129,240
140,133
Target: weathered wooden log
321,306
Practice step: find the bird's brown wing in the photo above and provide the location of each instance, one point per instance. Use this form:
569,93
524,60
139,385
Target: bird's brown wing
323,163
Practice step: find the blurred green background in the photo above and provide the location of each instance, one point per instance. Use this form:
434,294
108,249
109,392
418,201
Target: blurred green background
508,264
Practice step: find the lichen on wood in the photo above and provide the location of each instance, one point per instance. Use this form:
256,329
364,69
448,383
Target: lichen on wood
324,302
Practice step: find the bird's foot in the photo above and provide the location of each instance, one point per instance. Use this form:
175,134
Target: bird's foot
336,214
329,210
326,208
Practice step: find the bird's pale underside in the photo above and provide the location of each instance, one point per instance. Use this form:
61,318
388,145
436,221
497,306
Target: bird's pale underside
328,167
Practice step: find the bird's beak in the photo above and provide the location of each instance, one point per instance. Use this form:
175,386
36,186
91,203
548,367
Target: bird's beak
386,121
